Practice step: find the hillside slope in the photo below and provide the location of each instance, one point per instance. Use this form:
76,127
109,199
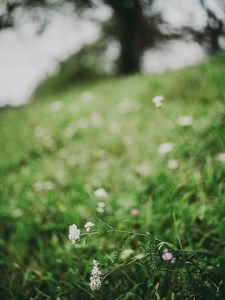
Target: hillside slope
59,149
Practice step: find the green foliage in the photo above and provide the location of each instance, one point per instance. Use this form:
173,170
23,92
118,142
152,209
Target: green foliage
87,65
57,151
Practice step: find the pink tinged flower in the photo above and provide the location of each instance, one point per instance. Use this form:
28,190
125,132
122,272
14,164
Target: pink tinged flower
134,212
167,255
74,233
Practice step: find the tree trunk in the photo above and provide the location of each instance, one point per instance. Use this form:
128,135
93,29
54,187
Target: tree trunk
129,19
214,35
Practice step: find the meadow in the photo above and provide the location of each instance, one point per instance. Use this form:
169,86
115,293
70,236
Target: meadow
104,152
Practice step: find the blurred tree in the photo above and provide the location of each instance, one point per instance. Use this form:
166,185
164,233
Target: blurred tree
130,21
133,24
136,28
214,28
6,10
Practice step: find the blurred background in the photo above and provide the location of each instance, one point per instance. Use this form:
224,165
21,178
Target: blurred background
96,125
95,38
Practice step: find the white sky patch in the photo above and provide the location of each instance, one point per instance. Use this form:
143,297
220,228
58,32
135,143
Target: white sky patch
181,13
215,7
173,55
25,57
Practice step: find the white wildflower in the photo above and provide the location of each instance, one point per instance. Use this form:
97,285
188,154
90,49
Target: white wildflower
70,130
83,123
143,169
221,157
100,207
48,141
157,100
124,106
101,204
165,148
128,105
17,213
88,226
126,253
56,106
128,141
185,121
39,131
48,185
74,233
95,279
43,186
87,96
115,127
96,119
139,256
101,193
172,164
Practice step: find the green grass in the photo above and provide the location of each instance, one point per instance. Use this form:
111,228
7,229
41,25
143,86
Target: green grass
185,206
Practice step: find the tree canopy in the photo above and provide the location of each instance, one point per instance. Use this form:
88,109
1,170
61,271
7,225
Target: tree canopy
134,24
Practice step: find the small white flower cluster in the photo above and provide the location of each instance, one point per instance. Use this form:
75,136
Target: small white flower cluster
168,147
157,100
88,226
165,148
143,169
87,96
126,253
172,164
221,157
74,235
95,279
101,193
43,186
95,119
74,232
115,127
128,105
56,106
185,121
100,207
